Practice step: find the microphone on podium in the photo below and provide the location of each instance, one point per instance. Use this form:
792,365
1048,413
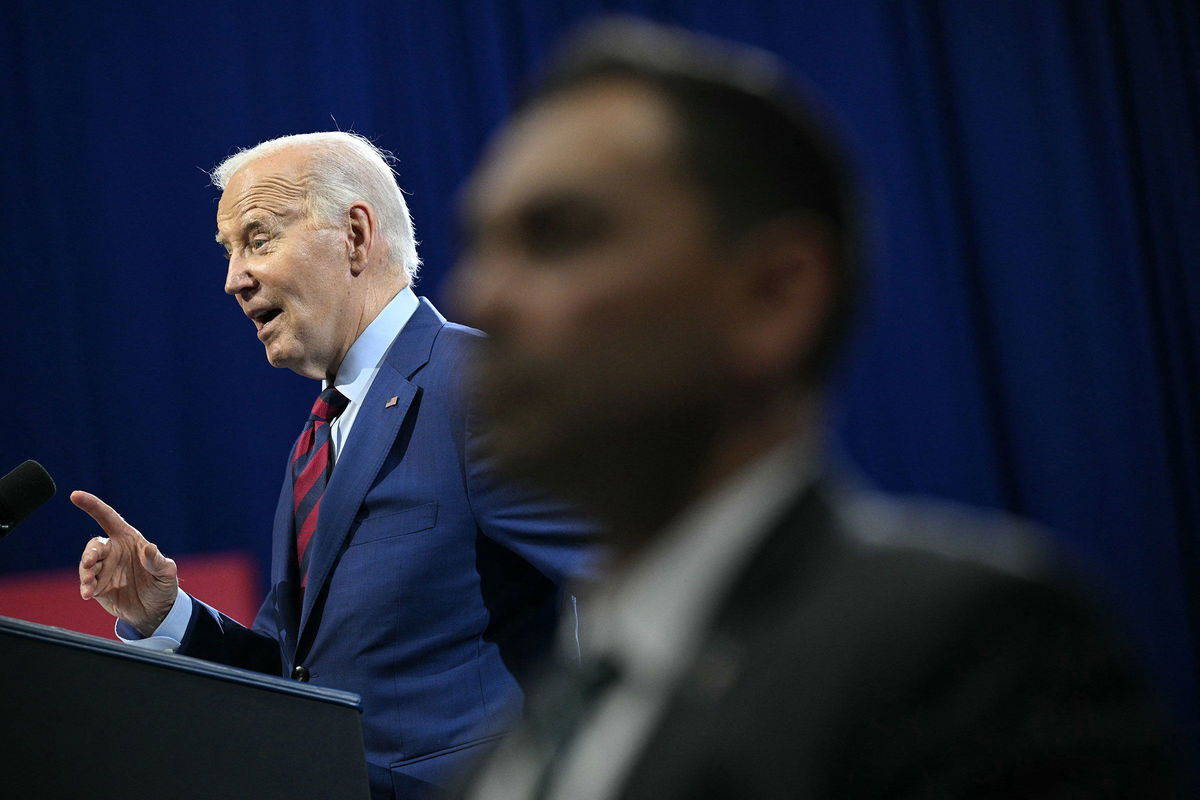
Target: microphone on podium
21,492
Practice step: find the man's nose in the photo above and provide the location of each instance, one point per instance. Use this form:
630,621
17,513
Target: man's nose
238,277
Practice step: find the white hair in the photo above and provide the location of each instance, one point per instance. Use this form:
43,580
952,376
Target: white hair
345,168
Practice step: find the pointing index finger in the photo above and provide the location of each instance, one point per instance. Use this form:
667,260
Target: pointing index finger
104,515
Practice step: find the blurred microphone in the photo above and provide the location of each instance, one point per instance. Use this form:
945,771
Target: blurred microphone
22,491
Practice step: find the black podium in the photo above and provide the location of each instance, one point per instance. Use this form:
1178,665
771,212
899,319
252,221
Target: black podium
84,717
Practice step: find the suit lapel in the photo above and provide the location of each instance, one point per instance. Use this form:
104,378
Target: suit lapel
782,563
766,592
375,429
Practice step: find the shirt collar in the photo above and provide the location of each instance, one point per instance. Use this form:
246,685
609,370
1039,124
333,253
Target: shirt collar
365,355
652,614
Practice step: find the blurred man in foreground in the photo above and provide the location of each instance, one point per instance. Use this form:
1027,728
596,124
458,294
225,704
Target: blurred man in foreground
662,246
402,570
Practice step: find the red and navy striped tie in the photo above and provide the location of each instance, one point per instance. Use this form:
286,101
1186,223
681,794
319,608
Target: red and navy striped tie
311,464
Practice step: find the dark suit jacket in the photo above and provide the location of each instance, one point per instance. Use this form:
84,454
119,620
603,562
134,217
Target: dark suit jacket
873,649
430,585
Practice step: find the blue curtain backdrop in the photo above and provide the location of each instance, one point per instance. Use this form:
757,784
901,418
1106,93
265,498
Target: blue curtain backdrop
1031,341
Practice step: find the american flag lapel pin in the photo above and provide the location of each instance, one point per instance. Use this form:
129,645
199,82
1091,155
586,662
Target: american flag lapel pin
391,402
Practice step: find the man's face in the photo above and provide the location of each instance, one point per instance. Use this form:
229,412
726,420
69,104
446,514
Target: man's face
290,275
591,264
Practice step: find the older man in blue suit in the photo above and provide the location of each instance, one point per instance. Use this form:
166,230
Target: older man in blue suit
401,570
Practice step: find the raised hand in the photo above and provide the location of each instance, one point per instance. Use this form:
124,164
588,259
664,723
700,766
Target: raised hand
123,571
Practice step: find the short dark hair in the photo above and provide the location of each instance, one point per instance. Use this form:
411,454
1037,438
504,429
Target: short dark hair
748,135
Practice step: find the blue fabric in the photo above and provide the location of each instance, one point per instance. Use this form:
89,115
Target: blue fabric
1031,342
430,587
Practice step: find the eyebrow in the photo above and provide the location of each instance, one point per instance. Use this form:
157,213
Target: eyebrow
250,226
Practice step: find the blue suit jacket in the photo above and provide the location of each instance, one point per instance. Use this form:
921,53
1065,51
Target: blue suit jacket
430,584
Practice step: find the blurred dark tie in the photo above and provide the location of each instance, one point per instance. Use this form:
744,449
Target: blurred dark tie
311,464
563,710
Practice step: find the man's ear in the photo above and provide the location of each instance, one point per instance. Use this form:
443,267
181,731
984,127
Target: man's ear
360,236
781,292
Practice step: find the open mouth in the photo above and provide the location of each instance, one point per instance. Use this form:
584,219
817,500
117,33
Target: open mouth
264,318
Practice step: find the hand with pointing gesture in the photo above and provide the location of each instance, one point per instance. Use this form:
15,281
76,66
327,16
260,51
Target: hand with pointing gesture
123,571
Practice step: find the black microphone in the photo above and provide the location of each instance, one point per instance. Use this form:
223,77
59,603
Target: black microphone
22,491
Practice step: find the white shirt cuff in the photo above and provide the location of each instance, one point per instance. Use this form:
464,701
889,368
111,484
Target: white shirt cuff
168,635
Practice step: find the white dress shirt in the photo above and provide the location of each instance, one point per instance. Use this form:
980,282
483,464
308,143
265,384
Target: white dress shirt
650,620
354,378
